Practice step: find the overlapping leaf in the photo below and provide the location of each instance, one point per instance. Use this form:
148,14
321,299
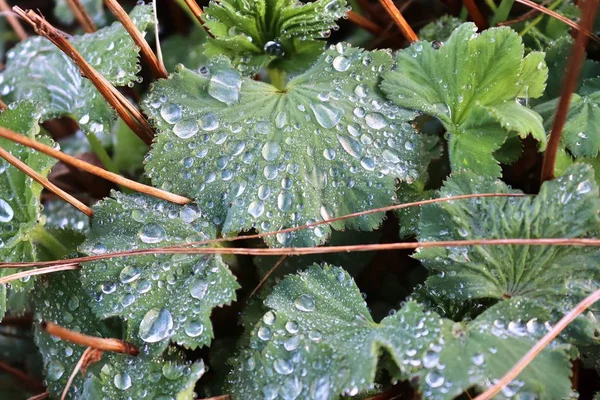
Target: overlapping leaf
308,345
38,71
471,84
580,133
564,208
61,299
163,297
258,157
280,33
95,9
20,208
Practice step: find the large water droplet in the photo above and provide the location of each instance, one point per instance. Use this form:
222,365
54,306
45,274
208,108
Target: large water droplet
285,201
283,367
171,113
434,379
305,302
156,325
186,128
320,389
193,328
122,381
6,211
225,86
271,150
152,233
430,359
274,48
351,146
327,115
55,371
256,208
584,187
341,63
264,333
209,122
198,288
376,121
129,274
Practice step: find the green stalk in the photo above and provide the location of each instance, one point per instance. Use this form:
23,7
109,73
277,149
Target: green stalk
502,12
491,5
538,19
49,242
105,159
189,12
277,78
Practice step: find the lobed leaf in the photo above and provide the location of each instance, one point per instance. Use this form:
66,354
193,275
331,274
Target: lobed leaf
164,298
471,85
564,208
308,344
280,34
38,71
254,156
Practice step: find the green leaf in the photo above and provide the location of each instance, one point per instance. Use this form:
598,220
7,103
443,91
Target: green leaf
20,208
470,84
564,208
282,34
95,9
258,157
580,133
128,150
38,71
60,298
124,377
186,50
61,215
163,298
440,29
308,344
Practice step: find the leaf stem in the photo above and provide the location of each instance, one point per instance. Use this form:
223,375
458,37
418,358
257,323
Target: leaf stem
365,23
158,69
92,169
539,18
114,345
49,242
14,161
277,78
82,16
104,158
396,15
502,12
569,86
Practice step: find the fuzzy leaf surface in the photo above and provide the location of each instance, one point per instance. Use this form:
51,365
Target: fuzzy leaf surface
37,70
283,34
257,157
307,345
564,208
163,298
470,84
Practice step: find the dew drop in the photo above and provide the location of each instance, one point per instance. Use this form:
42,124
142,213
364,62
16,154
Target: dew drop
6,212
225,86
186,128
584,187
122,381
376,121
264,333
129,274
341,63
193,329
198,288
171,113
283,367
271,150
256,208
305,302
327,115
350,145
152,233
209,122
434,379
156,325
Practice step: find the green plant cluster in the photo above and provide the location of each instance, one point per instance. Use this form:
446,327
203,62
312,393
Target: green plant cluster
270,123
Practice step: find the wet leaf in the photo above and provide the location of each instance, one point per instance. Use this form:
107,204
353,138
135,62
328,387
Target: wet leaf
471,85
164,298
95,9
258,157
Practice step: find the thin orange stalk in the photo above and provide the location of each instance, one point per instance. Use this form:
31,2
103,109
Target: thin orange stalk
561,18
114,345
82,16
15,24
569,85
195,9
267,275
40,396
45,182
300,251
89,356
92,169
364,23
540,345
158,69
396,15
38,271
127,111
475,14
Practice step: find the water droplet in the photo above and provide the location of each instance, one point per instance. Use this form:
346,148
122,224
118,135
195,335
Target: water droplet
193,328
129,274
281,120
225,86
292,343
156,325
171,113
376,121
341,63
264,333
320,389
55,370
209,122
478,359
6,211
305,302
271,150
284,201
584,187
152,233
274,48
430,359
350,145
368,163
434,379
256,208
198,288
283,367
327,115
186,128
292,327
122,381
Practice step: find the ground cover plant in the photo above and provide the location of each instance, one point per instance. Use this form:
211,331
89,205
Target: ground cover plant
282,199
